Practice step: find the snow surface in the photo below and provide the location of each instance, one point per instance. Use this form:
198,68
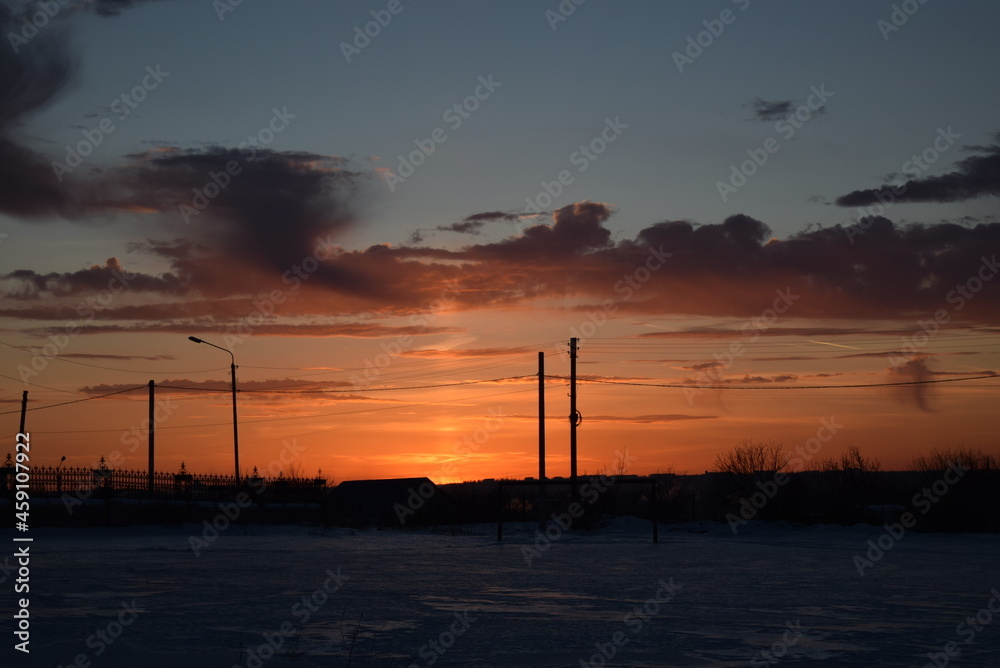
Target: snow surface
734,597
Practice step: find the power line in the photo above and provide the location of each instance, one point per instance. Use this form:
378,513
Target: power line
44,387
399,406
355,390
76,401
775,387
61,358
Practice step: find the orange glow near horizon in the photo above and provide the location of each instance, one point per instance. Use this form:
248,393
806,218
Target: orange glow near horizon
489,430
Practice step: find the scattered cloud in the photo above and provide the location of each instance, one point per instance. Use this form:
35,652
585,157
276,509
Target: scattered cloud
96,356
733,270
770,110
974,176
634,419
915,370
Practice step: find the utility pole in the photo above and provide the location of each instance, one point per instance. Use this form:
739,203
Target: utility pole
24,410
542,496
236,432
150,435
574,417
541,416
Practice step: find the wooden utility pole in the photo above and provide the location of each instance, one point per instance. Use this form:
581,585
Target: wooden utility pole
24,410
574,415
541,416
542,495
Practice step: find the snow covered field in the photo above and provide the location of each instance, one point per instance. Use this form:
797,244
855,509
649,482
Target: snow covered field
140,597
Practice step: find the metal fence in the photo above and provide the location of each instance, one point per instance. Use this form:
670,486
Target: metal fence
113,483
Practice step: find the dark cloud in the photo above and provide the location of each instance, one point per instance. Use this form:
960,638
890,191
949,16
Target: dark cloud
490,216
30,188
733,269
702,366
776,110
466,226
770,110
798,332
790,358
113,7
463,227
635,419
575,229
31,77
248,386
347,330
914,370
464,353
109,276
881,353
96,356
273,211
474,224
33,73
737,233
269,211
746,379
279,390
974,176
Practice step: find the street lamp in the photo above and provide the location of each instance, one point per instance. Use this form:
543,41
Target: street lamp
236,434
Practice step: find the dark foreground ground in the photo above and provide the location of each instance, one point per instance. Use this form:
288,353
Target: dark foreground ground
295,596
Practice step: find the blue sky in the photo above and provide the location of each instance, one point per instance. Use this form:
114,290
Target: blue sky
685,129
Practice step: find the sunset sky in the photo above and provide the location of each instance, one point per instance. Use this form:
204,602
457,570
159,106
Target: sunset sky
773,199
